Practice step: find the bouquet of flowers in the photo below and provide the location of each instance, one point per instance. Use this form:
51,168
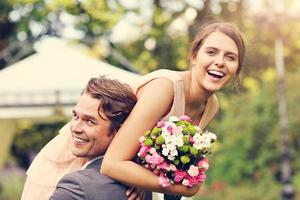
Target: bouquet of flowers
176,151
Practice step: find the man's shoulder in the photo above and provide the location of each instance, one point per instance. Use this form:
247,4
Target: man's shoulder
89,183
92,175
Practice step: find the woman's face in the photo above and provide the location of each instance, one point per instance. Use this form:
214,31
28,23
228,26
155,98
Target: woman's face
216,62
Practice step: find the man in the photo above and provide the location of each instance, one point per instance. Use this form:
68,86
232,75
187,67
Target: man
102,108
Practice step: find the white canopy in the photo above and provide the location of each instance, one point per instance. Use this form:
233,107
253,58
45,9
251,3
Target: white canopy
55,68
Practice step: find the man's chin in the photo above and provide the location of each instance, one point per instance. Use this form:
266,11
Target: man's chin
78,153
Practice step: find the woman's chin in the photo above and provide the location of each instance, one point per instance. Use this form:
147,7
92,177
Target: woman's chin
212,88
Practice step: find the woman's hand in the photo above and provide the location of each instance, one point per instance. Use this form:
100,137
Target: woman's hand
135,193
177,189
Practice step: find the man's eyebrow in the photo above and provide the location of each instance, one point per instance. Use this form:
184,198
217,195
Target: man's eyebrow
90,117
85,116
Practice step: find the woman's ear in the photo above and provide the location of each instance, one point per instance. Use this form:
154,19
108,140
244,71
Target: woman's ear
193,60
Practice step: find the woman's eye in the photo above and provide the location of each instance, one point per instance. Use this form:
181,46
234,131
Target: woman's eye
231,58
211,53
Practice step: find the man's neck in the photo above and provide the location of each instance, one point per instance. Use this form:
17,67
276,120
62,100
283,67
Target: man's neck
90,160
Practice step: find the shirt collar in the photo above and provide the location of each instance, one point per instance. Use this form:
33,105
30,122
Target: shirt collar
90,161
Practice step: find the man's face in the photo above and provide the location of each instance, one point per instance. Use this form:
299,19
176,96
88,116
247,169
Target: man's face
90,133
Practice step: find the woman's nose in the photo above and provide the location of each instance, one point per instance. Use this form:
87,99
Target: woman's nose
219,61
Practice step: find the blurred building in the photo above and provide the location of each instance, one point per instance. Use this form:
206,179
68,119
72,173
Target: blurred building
53,77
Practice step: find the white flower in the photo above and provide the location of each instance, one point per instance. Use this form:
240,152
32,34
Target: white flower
178,140
197,137
170,157
193,170
166,135
212,136
165,151
174,152
173,119
199,146
142,139
198,129
185,182
201,141
177,130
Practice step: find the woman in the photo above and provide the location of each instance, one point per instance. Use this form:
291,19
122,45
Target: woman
216,57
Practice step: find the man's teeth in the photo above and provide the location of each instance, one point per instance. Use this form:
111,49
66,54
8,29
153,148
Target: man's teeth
216,73
76,139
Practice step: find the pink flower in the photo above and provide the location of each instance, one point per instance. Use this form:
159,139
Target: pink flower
192,141
203,164
173,167
179,175
163,181
143,151
185,118
156,172
170,129
154,159
201,177
160,124
192,180
164,165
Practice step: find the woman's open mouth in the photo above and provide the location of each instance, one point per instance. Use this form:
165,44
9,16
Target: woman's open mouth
216,74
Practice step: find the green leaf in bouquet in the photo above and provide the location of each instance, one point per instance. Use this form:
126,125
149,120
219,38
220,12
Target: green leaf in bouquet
186,139
192,129
147,133
156,131
186,123
185,159
185,131
176,162
184,148
148,142
157,147
160,140
193,151
180,123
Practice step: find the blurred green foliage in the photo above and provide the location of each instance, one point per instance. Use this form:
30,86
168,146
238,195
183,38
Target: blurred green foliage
32,136
11,185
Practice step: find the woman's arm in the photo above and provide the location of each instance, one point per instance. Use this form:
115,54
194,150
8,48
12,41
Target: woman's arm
153,103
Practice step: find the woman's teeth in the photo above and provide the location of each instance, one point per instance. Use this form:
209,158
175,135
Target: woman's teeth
216,74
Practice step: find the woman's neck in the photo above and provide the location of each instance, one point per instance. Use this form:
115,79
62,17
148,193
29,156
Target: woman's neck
194,94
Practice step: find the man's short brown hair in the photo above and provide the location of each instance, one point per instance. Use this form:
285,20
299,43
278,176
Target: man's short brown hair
117,99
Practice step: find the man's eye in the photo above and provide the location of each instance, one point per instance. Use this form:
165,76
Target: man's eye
90,123
75,116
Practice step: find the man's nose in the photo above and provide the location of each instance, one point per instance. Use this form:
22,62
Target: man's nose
76,126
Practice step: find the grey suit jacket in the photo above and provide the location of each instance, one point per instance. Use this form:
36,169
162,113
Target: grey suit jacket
90,184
